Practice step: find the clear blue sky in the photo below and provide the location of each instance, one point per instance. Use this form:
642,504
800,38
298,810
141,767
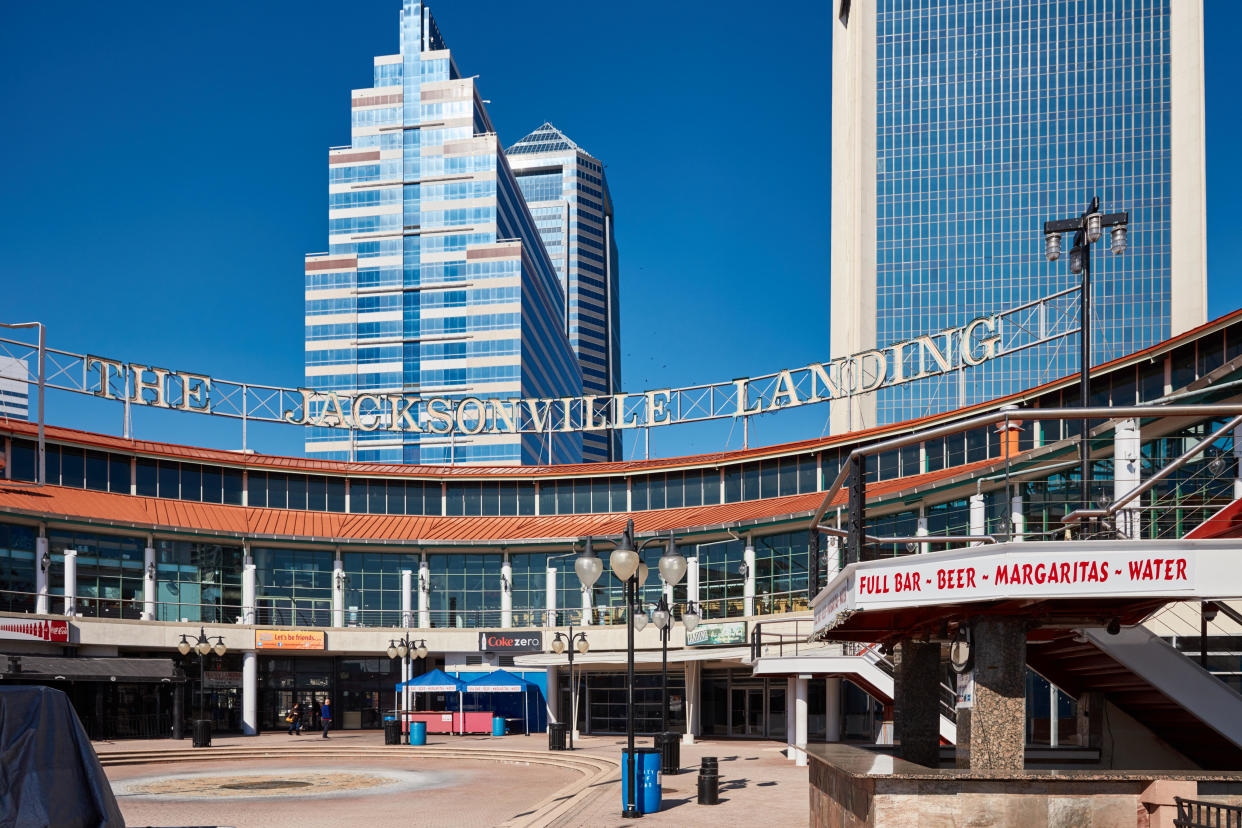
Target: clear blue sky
167,172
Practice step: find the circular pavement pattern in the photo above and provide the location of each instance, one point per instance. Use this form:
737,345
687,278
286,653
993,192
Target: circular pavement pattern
278,782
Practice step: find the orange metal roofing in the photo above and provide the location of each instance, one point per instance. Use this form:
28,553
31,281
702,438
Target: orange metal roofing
159,514
313,466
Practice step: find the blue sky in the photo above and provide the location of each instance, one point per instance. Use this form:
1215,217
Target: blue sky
167,172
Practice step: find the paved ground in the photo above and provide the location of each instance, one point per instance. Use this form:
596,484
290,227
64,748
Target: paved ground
757,785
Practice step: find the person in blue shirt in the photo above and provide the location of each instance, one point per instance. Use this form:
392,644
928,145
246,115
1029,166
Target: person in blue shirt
325,716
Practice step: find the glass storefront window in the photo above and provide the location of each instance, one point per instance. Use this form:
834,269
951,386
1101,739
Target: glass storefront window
17,568
294,586
110,572
198,581
373,587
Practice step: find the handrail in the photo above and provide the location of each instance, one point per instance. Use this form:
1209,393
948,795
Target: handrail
1079,514
1007,414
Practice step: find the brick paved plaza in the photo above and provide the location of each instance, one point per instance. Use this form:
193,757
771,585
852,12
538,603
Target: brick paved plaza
453,781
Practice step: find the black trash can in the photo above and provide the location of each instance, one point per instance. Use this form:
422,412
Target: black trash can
202,733
556,735
671,761
709,781
392,732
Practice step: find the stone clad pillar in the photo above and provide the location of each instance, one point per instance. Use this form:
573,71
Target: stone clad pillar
832,708
1127,474
338,592
800,711
250,693
748,588
993,735
148,584
249,579
407,598
916,701
71,582
506,591
424,593
549,597
41,571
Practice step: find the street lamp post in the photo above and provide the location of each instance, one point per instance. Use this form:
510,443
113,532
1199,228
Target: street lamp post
626,563
562,643
202,646
403,648
1088,228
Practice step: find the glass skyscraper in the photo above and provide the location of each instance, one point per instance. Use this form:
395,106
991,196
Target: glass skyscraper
567,192
960,126
436,282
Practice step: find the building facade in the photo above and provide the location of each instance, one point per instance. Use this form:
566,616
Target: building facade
436,281
14,388
960,127
567,191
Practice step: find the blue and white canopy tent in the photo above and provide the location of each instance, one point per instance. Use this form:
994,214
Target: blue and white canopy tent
501,681
435,681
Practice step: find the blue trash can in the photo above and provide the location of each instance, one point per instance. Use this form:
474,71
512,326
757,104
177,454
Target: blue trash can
648,793
498,726
418,733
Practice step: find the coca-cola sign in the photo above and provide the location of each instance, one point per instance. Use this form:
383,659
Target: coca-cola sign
35,630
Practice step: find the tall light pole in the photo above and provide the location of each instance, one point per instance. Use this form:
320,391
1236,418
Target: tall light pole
403,648
568,643
202,646
672,569
1088,229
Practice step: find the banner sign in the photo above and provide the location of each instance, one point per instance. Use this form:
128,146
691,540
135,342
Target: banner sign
289,640
222,679
55,631
1043,570
965,695
493,642
725,632
922,357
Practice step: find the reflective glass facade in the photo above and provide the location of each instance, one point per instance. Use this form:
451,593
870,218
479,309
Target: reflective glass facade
568,195
436,282
990,118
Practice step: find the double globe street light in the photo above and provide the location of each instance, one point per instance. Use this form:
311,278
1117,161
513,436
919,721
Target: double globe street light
626,564
562,643
203,647
406,648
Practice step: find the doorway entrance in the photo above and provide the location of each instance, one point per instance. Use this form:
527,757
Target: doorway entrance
756,711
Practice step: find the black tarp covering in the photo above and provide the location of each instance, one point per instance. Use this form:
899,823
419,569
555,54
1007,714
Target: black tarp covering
49,774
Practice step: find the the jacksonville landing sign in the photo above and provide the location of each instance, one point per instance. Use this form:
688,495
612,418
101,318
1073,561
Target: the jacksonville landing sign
914,359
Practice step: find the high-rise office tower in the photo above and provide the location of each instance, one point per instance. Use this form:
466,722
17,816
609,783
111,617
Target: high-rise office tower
567,192
436,282
960,126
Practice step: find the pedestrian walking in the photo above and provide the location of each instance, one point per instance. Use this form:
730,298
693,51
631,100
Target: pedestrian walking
295,719
325,716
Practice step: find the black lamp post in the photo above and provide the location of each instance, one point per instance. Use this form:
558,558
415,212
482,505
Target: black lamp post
562,643
202,646
1088,228
404,648
625,562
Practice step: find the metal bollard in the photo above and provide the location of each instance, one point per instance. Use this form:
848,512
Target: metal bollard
709,781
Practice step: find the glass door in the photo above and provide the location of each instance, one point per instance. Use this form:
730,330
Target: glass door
776,710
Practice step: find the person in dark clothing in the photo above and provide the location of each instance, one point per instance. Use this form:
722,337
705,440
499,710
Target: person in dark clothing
325,716
295,720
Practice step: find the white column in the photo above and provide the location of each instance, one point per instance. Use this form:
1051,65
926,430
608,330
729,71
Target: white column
800,685
148,584
41,591
790,692
1018,517
338,592
832,554
920,530
424,593
748,590
506,592
1127,473
978,515
71,581
694,719
249,613
588,605
250,693
407,598
550,597
692,580
554,698
832,708
1237,463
